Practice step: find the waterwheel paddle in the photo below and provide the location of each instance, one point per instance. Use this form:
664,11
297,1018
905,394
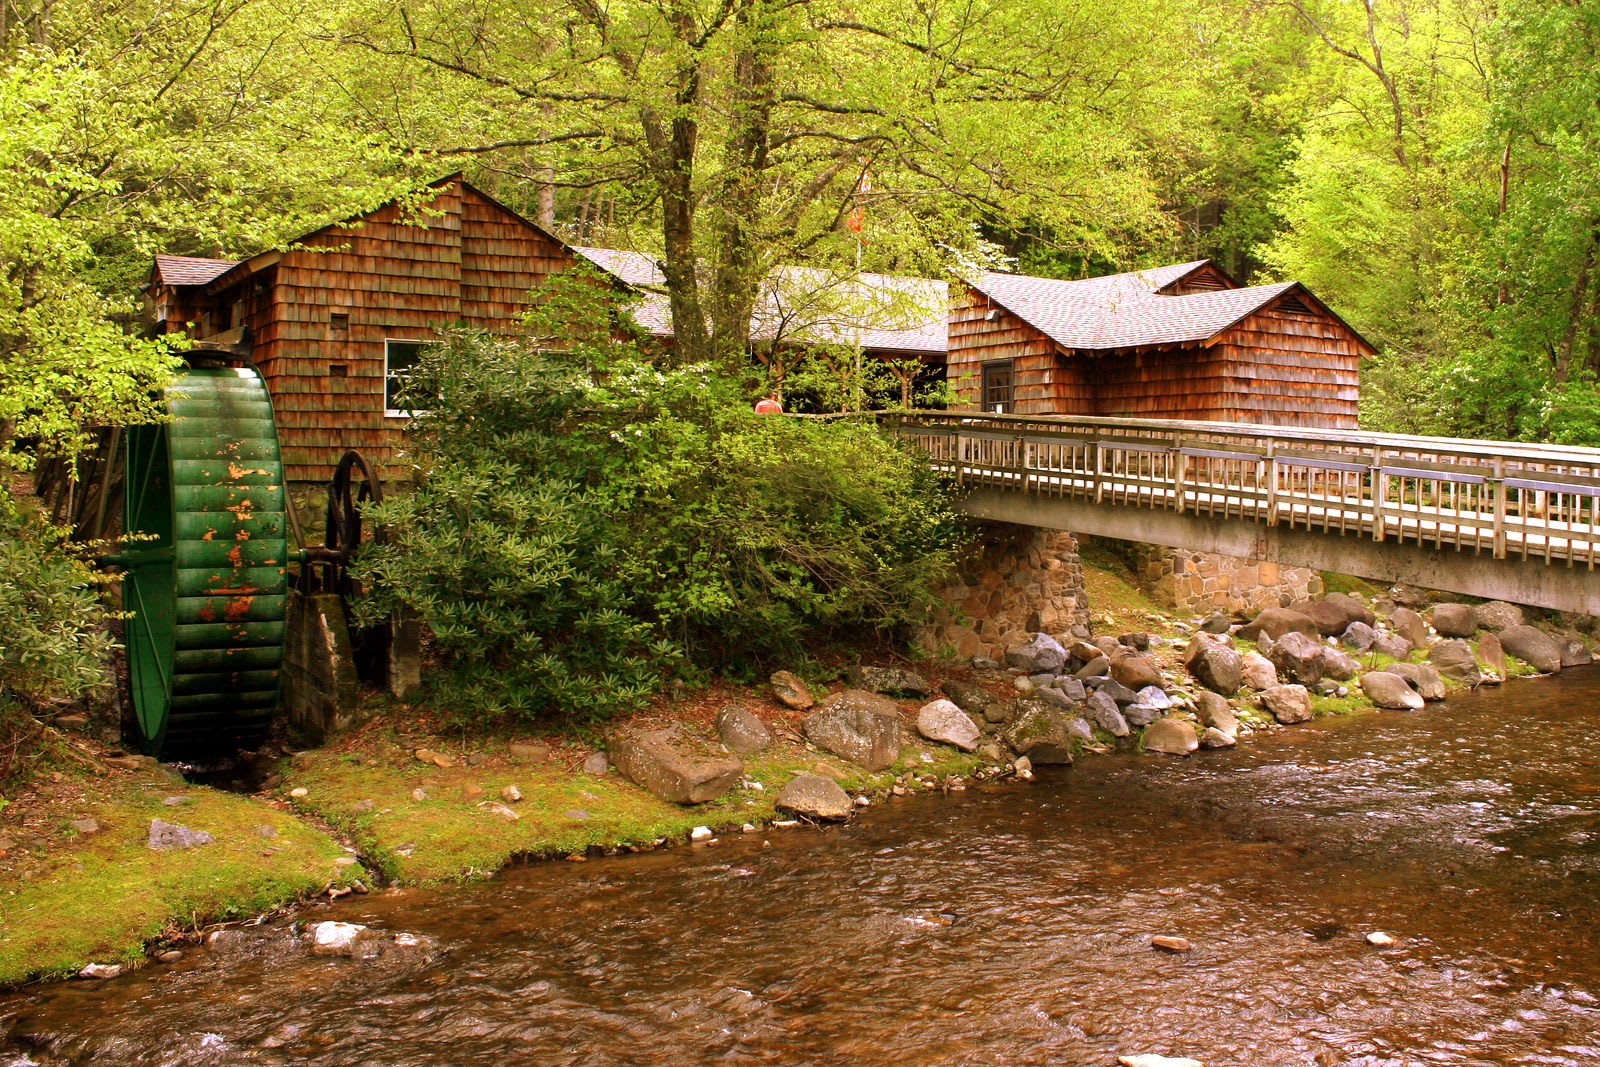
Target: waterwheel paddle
206,573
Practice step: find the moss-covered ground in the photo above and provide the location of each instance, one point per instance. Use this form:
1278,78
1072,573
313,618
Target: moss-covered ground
74,895
420,823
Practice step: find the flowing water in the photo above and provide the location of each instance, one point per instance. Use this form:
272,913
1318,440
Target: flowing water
997,926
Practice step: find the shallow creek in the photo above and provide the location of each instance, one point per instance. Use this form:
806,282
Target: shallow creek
996,926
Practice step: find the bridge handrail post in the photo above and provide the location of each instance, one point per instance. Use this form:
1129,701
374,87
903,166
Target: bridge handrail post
1022,461
1099,472
1380,494
1269,471
1180,464
1497,486
960,457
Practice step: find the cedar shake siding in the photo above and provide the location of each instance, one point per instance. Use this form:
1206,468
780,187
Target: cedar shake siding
318,318
1178,342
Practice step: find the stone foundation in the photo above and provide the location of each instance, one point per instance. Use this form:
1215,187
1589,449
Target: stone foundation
1200,582
1019,580
321,691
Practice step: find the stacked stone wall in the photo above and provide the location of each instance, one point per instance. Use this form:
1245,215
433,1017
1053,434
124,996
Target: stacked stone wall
1018,580
1208,581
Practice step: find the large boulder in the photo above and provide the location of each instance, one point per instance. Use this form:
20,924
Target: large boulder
1358,636
1390,691
886,680
1215,713
341,939
1298,658
170,837
1533,647
1173,737
1259,673
1338,666
1041,653
1099,667
1116,691
1135,671
1333,615
1454,659
1141,714
1409,625
1106,715
968,697
1352,609
1040,733
815,797
1215,663
1395,646
1275,622
861,727
674,766
741,731
1424,679
1499,615
791,691
1455,620
1287,703
1574,649
942,721
1491,653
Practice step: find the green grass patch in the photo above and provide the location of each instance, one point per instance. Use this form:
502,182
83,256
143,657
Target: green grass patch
1350,583
104,896
448,837
1113,590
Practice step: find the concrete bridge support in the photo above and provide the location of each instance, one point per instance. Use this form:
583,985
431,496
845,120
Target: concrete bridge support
1560,586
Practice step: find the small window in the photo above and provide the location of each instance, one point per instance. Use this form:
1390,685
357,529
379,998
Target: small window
997,387
338,370
399,359
339,320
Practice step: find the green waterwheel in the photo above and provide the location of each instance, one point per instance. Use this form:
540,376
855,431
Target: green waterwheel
206,582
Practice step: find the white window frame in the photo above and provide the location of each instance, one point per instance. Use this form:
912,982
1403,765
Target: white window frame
389,412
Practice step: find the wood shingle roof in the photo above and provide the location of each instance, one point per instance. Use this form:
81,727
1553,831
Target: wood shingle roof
1124,310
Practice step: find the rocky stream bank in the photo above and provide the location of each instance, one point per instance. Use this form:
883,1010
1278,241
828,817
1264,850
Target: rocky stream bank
115,860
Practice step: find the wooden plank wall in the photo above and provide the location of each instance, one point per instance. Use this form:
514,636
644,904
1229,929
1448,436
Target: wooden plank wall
396,279
502,259
1043,382
1292,369
1188,382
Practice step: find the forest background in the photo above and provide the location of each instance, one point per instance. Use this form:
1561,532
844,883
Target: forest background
1428,167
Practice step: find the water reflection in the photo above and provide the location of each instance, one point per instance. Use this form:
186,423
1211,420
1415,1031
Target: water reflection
993,927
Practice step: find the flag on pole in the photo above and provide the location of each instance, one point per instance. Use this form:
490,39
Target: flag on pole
858,214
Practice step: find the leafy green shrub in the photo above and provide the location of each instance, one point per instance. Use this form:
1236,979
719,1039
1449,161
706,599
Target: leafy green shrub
586,522
52,643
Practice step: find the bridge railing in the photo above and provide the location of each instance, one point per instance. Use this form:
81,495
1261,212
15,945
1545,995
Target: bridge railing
1498,497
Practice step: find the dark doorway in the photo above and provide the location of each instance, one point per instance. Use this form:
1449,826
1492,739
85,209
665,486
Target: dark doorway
997,387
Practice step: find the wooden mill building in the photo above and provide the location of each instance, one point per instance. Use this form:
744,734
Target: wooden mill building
333,323
1176,342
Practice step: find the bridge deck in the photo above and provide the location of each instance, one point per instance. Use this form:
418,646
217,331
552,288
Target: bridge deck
1502,500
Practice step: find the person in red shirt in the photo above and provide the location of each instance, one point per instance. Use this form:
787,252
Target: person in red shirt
769,405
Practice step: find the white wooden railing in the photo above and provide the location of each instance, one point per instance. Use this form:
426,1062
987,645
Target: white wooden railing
1498,497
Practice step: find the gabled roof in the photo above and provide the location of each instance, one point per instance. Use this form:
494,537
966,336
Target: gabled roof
191,272
1125,310
188,270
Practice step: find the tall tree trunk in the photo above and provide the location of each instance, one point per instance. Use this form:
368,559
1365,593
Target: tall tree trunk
740,268
1569,332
